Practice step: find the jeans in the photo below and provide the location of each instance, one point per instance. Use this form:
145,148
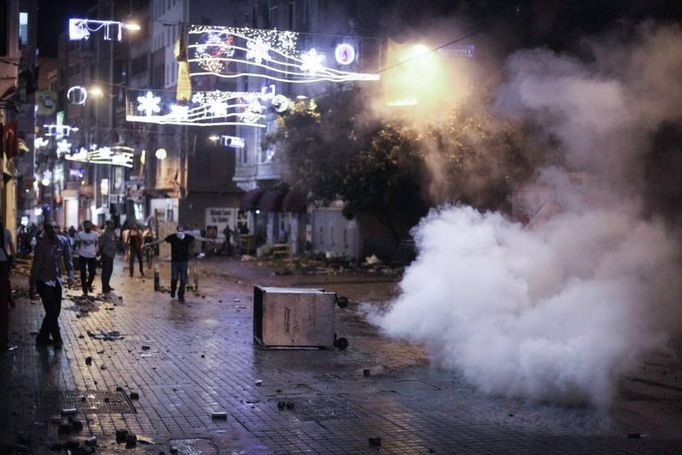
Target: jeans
107,270
5,293
178,271
135,252
89,277
52,302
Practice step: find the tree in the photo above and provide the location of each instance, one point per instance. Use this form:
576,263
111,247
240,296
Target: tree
395,169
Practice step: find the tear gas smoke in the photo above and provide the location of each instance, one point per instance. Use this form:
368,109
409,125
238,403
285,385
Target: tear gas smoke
556,310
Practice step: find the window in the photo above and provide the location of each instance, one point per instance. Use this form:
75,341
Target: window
23,27
273,16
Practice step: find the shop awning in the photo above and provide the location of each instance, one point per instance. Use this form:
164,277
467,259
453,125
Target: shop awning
294,202
250,199
272,200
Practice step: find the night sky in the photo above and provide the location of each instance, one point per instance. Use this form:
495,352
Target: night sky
53,18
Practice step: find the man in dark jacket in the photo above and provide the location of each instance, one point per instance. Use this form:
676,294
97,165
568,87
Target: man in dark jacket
45,278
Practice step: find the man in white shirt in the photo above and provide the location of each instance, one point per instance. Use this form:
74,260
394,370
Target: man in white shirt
86,242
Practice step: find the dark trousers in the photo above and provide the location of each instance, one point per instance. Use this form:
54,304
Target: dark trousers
107,270
52,302
87,276
178,271
5,294
135,252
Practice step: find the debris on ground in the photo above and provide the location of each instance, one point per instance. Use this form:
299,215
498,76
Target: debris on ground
134,396
258,382
375,441
106,336
219,415
366,372
88,360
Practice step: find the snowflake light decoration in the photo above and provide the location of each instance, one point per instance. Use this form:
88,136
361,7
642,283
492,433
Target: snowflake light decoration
149,104
179,111
63,147
258,50
312,62
217,108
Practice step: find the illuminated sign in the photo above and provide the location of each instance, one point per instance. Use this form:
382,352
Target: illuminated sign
344,54
232,141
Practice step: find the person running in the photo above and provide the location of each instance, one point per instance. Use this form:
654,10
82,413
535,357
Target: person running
180,243
107,252
7,253
45,277
135,248
86,242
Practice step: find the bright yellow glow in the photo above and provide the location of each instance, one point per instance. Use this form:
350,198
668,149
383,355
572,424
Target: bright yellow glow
213,138
132,26
96,91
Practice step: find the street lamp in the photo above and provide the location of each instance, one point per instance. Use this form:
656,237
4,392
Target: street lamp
96,91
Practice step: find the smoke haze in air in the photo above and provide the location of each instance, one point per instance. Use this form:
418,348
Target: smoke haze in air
557,309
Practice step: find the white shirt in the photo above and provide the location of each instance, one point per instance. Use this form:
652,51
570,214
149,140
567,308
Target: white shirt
87,244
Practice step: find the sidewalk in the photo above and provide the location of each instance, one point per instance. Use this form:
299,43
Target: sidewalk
188,361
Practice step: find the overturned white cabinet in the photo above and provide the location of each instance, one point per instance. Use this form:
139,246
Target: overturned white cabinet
293,317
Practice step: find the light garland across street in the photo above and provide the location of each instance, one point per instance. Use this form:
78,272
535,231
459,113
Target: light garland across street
231,52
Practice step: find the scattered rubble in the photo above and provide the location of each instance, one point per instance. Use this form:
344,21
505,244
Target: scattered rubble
106,336
134,396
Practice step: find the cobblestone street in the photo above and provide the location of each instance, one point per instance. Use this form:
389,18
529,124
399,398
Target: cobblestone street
177,364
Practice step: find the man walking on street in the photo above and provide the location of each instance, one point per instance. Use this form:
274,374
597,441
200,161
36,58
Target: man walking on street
135,248
6,254
180,243
45,277
86,242
107,250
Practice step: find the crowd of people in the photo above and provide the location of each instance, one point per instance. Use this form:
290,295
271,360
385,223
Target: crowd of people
53,250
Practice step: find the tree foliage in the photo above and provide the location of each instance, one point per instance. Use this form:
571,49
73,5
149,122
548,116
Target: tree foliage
395,169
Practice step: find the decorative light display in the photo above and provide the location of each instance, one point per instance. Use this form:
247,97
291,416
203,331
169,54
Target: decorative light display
344,54
161,154
41,142
63,146
258,50
59,131
80,29
312,62
77,94
280,103
204,109
232,52
117,155
149,104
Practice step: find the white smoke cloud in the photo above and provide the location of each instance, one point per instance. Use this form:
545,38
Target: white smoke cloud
555,310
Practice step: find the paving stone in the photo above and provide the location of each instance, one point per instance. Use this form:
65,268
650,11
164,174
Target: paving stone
281,402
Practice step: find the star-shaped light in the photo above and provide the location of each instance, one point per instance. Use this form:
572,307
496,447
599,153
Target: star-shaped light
63,147
312,62
258,50
149,104
41,142
179,111
218,108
